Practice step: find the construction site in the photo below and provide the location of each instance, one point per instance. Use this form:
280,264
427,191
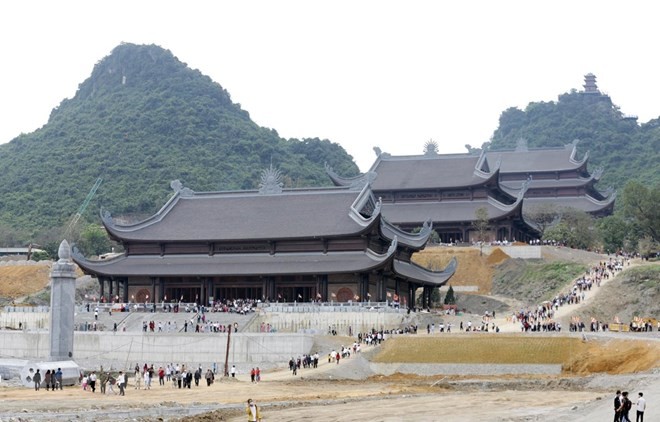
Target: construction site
502,375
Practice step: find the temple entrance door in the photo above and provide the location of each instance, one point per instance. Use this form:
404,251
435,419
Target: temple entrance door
450,236
296,293
502,234
181,294
238,292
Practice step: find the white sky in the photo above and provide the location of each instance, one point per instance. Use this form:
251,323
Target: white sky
360,73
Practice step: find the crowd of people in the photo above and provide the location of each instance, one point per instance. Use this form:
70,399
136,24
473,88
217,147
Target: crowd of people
541,318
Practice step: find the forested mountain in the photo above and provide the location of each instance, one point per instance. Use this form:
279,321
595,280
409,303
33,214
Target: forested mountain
142,119
617,143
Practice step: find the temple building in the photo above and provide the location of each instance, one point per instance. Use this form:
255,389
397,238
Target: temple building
557,176
450,188
329,244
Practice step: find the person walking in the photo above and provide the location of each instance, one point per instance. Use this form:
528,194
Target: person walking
48,379
626,405
111,382
641,407
121,382
253,412
617,406
58,379
92,381
37,380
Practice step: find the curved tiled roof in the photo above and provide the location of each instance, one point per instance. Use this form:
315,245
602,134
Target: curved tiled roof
235,264
420,274
247,215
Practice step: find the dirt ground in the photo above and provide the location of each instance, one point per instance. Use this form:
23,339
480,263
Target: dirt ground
321,395
594,366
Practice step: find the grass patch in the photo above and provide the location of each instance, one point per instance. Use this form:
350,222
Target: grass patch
499,349
534,282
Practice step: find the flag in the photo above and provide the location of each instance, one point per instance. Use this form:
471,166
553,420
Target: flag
299,296
389,294
356,297
318,295
279,296
368,294
333,295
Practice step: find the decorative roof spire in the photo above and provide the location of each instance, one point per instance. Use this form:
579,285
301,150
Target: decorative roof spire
270,181
431,147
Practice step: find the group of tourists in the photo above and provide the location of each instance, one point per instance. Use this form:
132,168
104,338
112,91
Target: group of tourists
623,405
541,317
52,379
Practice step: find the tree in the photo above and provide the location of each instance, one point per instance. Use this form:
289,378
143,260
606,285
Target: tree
576,230
481,225
450,299
640,204
94,240
613,232
645,247
543,216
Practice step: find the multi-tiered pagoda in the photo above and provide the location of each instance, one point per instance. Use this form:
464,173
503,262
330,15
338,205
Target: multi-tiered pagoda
448,189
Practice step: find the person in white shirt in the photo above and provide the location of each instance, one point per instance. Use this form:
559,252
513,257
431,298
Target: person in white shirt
253,412
121,382
641,407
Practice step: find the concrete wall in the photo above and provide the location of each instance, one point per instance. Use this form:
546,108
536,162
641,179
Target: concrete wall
310,321
523,252
27,320
124,349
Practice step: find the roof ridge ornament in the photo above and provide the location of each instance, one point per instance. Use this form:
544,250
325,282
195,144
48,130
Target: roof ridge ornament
178,187
270,181
431,147
573,144
380,153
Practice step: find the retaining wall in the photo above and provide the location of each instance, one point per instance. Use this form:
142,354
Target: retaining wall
124,349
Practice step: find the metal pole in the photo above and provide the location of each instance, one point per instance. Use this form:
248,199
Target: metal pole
227,352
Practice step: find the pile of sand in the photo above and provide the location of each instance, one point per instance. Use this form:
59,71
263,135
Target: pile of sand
497,256
474,269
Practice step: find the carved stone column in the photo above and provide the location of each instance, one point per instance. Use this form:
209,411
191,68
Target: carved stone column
62,305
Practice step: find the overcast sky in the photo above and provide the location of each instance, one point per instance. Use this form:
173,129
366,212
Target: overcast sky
360,73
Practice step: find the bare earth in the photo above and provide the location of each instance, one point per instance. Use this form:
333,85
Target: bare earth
583,392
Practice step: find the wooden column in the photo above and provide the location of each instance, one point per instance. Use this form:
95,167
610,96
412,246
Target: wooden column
102,288
125,292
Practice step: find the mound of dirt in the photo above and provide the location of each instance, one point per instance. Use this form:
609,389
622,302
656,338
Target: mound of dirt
21,280
473,268
496,257
614,357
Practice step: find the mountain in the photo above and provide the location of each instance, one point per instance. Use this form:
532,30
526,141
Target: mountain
142,119
624,149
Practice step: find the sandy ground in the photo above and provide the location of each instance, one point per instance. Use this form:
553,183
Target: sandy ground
284,397
318,394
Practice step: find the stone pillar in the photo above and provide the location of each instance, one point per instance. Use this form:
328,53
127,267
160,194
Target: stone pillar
102,288
62,305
